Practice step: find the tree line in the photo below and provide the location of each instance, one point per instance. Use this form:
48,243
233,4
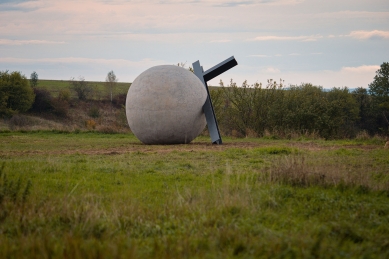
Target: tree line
18,94
306,109
244,110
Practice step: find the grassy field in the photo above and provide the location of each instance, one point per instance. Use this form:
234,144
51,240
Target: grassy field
91,195
55,86
99,89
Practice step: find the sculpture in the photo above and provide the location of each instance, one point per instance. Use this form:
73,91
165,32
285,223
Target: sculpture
170,105
164,105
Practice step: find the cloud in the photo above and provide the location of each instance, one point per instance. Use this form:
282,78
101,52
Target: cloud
233,3
294,54
15,5
287,38
110,18
270,70
27,42
219,3
352,77
10,2
259,56
363,35
78,60
360,69
374,13
220,41
93,69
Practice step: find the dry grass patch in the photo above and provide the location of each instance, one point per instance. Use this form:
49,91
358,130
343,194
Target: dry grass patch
303,171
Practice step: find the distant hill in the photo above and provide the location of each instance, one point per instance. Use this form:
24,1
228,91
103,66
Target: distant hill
55,86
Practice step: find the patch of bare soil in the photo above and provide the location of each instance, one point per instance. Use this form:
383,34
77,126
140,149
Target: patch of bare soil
138,147
311,146
192,147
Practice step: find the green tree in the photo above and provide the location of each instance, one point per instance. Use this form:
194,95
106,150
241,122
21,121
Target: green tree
305,111
343,111
238,107
34,79
380,86
16,95
81,87
110,82
368,111
379,89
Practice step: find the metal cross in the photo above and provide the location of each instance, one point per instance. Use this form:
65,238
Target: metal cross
211,73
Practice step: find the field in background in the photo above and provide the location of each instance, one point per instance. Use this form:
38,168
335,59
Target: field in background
55,86
99,89
96,113
91,195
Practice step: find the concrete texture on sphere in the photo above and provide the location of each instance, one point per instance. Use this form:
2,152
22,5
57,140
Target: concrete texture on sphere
164,105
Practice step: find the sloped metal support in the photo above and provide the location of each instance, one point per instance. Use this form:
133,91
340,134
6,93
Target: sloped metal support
209,112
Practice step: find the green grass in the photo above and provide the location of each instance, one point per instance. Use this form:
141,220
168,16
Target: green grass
107,195
55,86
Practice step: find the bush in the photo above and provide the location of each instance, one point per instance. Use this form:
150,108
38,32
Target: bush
43,101
94,112
343,111
16,95
18,121
64,95
307,110
119,100
107,130
61,108
81,87
90,124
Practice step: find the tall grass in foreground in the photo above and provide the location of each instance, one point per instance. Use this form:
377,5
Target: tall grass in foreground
274,199
293,170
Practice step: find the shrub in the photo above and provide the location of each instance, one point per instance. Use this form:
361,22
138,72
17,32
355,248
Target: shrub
81,87
60,108
16,95
90,124
362,135
344,111
43,101
305,110
64,95
119,100
108,130
121,118
19,121
94,112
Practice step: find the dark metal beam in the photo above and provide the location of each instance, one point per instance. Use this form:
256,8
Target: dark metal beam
209,112
220,68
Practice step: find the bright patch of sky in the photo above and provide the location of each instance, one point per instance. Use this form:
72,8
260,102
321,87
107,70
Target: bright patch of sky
328,43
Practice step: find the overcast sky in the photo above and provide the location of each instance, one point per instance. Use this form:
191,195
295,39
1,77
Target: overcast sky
328,43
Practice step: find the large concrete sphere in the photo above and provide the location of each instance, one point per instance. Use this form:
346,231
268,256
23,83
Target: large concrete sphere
164,105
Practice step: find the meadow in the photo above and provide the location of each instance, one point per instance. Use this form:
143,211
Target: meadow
94,195
99,88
